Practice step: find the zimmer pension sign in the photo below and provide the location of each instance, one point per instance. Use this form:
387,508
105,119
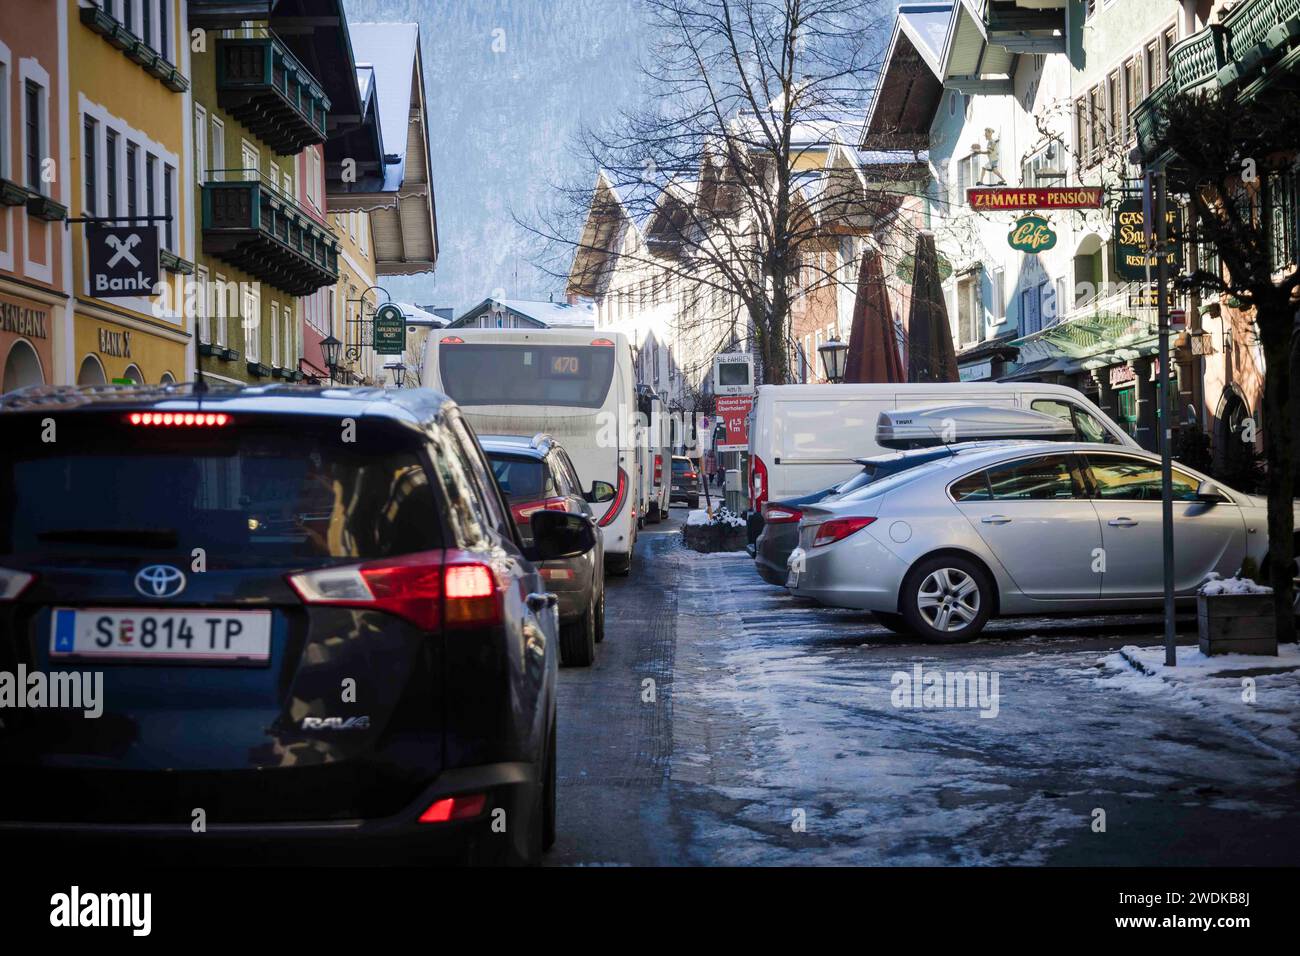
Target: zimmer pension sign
1071,197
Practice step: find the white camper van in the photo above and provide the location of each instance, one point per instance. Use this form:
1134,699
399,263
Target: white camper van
806,437
576,385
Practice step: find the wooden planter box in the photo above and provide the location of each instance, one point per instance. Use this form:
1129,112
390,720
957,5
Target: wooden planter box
710,538
1236,624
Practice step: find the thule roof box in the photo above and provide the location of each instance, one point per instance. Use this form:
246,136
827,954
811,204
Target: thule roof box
904,428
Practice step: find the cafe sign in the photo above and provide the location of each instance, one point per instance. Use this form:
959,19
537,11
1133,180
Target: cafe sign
1131,259
1031,234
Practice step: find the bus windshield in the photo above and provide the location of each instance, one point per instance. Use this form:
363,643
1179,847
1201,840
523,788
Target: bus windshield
507,374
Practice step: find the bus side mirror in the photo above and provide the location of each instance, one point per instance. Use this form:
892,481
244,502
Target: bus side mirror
601,491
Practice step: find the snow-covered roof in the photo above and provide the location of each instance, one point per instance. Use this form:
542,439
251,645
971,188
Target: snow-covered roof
413,311
555,314
392,48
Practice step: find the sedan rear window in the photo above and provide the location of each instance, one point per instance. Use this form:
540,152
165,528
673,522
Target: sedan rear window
521,478
247,496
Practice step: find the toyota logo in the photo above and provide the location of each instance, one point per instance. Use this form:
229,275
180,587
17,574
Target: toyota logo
159,581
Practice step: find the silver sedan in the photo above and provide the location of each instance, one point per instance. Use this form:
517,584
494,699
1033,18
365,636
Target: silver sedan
1023,529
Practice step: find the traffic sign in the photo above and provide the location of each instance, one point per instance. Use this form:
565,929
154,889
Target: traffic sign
734,412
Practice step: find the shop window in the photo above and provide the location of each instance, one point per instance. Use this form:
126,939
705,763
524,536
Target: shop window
1126,405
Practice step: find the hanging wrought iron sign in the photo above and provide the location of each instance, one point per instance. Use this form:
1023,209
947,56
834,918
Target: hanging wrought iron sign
1031,234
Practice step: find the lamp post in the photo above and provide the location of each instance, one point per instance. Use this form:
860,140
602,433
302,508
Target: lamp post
329,348
399,372
833,353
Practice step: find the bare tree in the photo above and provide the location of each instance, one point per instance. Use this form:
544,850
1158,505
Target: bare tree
717,169
1236,164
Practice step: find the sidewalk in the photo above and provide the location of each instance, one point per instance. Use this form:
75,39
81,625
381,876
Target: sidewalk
1253,696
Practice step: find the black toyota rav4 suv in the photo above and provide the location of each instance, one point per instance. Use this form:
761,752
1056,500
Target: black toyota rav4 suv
312,615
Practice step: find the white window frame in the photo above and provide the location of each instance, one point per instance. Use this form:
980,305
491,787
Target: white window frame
6,149
247,150
32,73
200,143
313,177
275,335
217,308
250,313
998,281
202,321
217,149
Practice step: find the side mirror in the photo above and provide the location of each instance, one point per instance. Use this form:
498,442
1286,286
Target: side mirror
1208,491
561,534
601,491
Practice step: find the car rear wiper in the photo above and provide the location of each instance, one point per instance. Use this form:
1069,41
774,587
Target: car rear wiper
134,537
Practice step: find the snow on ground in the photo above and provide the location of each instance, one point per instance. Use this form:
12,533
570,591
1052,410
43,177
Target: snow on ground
785,711
1255,696
699,516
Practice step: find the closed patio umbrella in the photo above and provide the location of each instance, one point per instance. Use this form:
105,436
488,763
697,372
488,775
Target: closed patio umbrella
930,353
873,346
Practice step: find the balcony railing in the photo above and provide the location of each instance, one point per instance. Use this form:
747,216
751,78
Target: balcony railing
254,226
1255,45
262,84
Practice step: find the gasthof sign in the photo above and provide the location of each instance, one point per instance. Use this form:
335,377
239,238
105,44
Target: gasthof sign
1131,259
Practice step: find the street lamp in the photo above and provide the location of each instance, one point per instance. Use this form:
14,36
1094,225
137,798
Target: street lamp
833,353
329,348
399,372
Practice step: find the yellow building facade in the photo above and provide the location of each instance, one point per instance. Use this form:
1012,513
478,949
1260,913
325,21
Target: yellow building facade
127,83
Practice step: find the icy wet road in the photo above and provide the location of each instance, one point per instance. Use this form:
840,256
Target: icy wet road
725,723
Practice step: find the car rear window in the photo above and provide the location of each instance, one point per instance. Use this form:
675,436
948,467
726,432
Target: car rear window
883,485
520,478
247,495
475,374
681,467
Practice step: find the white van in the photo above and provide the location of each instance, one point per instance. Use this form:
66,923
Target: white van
806,437
576,385
657,452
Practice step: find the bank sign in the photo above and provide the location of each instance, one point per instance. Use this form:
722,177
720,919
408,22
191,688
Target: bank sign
123,260
1131,259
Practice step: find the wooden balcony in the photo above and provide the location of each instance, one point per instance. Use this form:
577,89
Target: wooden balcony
255,227
261,84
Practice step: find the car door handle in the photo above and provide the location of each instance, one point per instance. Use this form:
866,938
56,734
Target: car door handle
1122,523
995,519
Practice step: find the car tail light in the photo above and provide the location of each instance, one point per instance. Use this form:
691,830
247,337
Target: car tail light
451,340
183,419
838,528
421,588
524,511
603,343
13,583
690,474
780,514
757,484
659,463
620,498
454,808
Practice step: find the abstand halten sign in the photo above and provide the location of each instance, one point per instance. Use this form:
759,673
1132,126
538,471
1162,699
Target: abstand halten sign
123,260
1069,197
1131,259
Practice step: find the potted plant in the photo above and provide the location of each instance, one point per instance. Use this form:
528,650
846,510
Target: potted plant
1235,615
719,531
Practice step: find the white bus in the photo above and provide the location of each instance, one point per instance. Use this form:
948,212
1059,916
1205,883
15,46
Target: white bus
575,384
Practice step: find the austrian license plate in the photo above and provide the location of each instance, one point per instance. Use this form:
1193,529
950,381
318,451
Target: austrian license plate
185,637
